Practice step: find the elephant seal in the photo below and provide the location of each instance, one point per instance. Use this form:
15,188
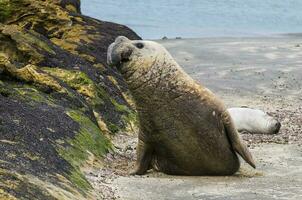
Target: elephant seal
254,121
184,128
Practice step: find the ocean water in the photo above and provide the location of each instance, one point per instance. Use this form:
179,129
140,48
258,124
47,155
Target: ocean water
200,18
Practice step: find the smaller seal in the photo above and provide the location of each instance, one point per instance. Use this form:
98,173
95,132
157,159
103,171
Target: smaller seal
254,121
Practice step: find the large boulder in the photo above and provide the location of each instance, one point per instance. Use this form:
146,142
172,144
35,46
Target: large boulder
59,101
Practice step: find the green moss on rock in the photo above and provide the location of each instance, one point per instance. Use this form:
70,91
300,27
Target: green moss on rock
113,128
76,79
32,38
130,118
7,7
90,137
77,178
120,107
89,140
30,93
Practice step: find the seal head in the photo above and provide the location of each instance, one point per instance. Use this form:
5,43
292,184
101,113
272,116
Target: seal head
119,52
127,54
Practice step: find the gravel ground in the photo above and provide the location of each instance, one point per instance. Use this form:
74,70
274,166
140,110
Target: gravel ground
263,73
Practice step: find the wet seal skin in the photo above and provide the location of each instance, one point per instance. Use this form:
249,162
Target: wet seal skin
184,128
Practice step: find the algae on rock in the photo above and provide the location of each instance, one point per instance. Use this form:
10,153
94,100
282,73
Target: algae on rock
59,101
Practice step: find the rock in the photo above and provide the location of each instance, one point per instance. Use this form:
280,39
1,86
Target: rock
71,5
51,61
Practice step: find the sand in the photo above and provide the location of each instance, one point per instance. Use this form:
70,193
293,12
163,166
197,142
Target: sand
263,73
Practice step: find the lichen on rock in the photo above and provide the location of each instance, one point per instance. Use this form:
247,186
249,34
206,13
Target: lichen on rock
59,101
76,79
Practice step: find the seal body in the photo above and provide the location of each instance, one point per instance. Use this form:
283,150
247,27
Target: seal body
254,121
184,128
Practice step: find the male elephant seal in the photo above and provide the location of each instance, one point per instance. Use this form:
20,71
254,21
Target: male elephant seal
184,128
254,121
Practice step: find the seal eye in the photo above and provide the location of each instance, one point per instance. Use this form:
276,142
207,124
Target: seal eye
139,45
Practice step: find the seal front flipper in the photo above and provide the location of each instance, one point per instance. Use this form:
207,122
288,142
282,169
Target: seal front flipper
144,157
237,143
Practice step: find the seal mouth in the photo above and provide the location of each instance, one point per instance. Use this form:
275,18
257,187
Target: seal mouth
118,54
125,56
124,60
120,64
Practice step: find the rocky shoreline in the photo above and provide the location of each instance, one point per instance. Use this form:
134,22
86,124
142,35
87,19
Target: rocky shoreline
59,101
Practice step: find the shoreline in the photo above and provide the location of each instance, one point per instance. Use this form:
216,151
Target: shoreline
277,35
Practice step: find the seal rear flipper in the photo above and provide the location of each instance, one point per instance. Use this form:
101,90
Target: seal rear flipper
237,143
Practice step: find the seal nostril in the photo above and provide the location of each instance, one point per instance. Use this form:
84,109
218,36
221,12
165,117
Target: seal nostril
125,55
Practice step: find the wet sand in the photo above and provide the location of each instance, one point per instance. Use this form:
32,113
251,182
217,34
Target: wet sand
264,73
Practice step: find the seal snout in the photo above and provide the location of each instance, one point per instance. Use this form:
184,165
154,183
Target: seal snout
119,51
277,127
